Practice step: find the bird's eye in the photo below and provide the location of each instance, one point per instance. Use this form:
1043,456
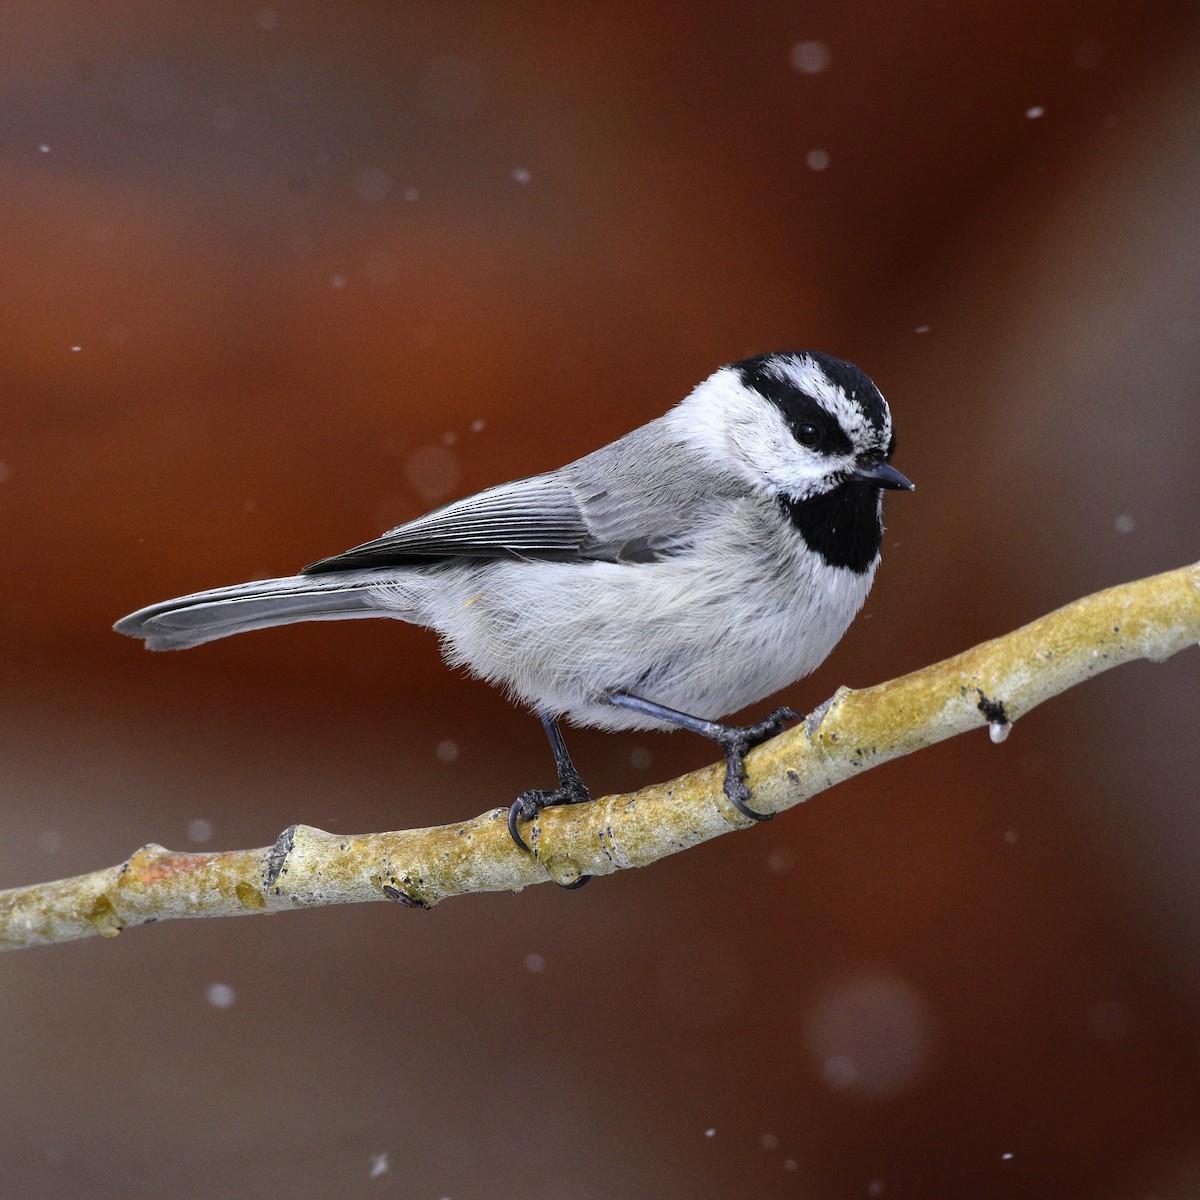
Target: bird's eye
808,434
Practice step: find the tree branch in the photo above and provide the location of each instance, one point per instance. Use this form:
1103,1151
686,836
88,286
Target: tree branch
993,684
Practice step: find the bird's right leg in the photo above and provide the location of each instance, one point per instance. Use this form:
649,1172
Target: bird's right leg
734,740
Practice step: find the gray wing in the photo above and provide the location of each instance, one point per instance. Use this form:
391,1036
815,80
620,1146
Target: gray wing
543,517
635,500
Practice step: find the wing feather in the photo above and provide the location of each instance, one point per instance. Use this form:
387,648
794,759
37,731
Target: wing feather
538,517
635,500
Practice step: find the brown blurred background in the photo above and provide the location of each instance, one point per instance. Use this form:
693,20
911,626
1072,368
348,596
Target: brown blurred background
278,276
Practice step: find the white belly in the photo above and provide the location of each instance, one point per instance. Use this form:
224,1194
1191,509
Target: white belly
561,636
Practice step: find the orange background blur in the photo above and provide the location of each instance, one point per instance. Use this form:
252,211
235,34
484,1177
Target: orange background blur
277,277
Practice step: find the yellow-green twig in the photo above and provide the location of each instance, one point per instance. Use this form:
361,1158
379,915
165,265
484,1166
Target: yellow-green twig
992,684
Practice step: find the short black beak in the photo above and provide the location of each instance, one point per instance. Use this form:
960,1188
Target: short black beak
881,475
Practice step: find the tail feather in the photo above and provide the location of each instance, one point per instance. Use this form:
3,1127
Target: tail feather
220,612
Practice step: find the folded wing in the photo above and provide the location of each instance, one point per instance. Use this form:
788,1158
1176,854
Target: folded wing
542,517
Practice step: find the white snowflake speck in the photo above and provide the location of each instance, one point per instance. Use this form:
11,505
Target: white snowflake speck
220,995
781,860
199,830
809,58
432,472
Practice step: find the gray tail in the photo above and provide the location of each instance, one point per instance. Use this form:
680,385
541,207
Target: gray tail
206,616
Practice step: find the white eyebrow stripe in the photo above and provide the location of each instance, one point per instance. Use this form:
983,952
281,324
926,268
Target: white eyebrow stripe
806,375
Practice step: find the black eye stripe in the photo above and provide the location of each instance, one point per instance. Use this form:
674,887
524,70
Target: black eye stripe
824,435
763,373
798,408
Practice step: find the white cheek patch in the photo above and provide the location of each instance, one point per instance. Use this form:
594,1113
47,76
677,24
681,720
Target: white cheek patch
762,440
738,430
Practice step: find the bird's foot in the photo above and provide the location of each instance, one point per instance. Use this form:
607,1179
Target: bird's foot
571,790
737,741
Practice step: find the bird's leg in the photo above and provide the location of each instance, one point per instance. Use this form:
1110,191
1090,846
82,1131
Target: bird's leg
735,740
571,788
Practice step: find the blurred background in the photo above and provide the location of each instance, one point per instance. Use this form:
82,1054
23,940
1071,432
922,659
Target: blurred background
277,277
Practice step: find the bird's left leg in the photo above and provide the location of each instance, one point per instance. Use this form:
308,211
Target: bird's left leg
735,740
571,788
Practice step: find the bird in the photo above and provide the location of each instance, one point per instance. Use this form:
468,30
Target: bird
689,569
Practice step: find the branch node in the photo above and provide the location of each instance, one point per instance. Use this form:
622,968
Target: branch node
994,712
564,871
404,898
812,723
103,917
815,719
275,859
249,895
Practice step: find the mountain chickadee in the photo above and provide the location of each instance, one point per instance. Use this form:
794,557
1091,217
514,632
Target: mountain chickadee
686,570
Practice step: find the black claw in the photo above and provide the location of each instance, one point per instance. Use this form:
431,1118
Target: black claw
738,793
521,808
528,804
737,741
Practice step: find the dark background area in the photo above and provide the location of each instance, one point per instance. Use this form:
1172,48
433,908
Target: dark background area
278,277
